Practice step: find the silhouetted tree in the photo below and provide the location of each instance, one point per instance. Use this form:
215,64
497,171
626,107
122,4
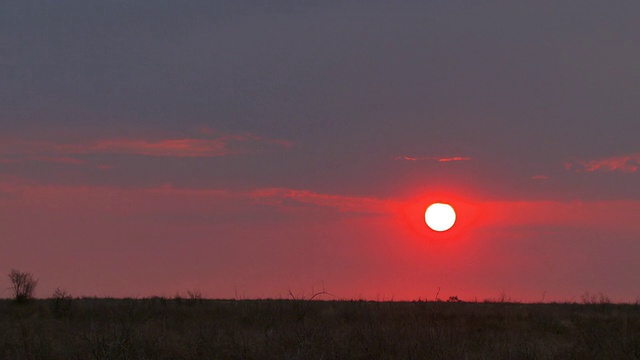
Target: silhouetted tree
23,285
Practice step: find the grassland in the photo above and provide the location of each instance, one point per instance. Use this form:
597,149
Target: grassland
159,328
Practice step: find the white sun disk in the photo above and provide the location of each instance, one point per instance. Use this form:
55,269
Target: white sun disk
440,217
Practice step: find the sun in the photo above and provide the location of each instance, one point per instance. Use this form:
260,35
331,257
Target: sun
440,217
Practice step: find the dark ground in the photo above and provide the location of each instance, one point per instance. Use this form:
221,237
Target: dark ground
159,328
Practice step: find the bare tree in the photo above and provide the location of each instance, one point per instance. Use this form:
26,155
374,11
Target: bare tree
23,285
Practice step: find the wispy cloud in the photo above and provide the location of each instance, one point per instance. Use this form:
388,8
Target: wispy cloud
209,143
59,160
245,137
295,197
169,200
456,158
624,163
105,167
9,161
172,147
432,158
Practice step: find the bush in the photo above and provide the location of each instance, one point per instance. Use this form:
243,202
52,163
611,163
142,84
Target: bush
23,285
61,302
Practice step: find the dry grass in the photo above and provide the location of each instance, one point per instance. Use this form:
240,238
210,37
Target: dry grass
159,328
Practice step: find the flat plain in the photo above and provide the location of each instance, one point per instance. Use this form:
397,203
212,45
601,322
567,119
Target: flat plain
168,328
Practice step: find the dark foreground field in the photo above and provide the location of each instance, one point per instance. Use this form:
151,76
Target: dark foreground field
286,329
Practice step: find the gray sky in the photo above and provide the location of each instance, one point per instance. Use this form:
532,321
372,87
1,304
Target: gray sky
519,87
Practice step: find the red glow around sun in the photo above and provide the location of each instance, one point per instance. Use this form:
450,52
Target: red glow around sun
466,216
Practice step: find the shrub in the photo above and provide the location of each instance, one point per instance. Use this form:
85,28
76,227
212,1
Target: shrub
194,296
61,303
23,285
595,299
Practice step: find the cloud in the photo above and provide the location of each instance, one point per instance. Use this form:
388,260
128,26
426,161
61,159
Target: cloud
346,204
612,215
623,163
59,160
105,167
539,177
431,158
210,143
9,161
456,158
245,137
171,148
167,201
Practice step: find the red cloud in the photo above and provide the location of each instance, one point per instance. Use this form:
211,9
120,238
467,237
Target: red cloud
285,198
169,200
624,163
245,137
217,144
407,158
60,160
456,158
432,158
176,148
9,161
294,197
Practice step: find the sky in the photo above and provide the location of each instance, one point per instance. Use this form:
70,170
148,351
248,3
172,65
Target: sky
261,149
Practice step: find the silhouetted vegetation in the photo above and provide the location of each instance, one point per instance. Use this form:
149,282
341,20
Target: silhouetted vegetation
162,328
60,303
23,285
